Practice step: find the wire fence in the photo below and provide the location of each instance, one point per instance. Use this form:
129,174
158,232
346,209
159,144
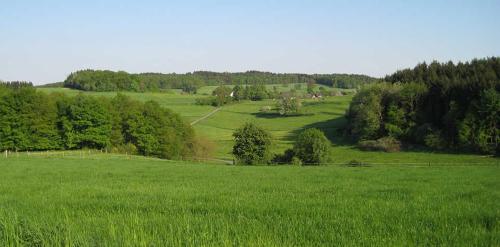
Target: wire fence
104,155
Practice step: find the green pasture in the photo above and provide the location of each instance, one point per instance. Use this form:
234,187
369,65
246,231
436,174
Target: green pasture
326,114
118,200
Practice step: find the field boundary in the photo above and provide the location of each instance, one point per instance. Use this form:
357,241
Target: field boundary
100,155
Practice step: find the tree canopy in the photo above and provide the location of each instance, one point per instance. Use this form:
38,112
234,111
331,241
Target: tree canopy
105,80
252,145
441,105
32,120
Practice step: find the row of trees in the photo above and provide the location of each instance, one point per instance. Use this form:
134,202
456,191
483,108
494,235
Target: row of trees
253,146
105,80
225,94
441,105
344,80
32,120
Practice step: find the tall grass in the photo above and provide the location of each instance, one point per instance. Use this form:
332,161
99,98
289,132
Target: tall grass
72,201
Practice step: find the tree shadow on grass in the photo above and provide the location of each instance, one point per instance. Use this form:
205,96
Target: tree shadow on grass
274,115
333,129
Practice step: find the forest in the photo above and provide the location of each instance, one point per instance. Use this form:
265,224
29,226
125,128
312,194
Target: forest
34,121
105,80
441,106
444,106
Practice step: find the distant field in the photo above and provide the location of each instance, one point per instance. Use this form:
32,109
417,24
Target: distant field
326,114
105,200
220,126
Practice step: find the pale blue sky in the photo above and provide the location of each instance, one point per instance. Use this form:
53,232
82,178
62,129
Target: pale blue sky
43,41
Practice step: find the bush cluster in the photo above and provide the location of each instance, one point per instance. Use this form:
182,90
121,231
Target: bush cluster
386,144
252,146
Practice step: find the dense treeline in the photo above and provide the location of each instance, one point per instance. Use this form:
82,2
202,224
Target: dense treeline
225,94
344,80
34,121
15,84
440,105
105,80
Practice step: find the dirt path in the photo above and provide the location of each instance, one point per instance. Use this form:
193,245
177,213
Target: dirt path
206,116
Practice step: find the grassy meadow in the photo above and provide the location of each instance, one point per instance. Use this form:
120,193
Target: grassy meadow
326,114
90,198
104,200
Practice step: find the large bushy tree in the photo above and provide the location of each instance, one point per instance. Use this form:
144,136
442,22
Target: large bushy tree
252,145
312,147
84,122
288,105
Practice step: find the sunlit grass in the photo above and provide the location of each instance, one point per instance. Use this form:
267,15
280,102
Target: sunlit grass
120,201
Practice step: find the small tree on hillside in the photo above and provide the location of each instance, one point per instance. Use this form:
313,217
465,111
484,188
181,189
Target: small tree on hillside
310,86
222,95
288,105
252,145
312,147
238,93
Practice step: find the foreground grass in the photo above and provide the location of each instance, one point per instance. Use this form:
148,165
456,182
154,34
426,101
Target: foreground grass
143,202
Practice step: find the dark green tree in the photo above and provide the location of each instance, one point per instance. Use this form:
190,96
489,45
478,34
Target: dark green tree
252,145
312,147
84,123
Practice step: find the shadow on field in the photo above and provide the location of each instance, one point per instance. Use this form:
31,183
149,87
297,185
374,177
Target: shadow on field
274,115
333,129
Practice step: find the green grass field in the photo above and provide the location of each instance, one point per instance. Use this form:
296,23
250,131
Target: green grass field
104,200
87,198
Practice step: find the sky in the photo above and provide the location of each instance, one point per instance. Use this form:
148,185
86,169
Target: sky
44,40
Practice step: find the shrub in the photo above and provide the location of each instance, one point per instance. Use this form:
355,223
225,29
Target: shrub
284,158
386,144
435,140
205,101
203,148
265,109
128,148
252,145
356,163
288,105
312,147
296,161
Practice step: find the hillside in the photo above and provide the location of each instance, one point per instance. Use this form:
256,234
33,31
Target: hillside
327,114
